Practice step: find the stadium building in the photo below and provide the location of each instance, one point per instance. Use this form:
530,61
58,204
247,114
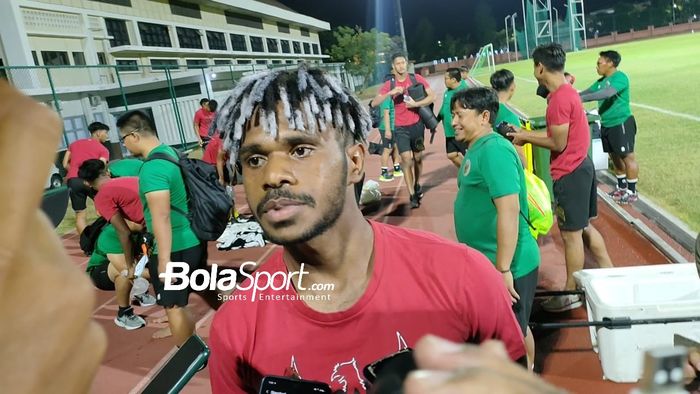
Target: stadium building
168,54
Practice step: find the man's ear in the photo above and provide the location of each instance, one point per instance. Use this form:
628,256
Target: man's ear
356,162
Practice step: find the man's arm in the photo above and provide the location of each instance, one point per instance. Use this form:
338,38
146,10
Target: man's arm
556,143
159,204
598,95
387,124
220,159
380,97
66,160
124,234
507,220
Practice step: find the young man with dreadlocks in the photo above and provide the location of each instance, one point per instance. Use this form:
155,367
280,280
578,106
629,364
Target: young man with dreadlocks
300,137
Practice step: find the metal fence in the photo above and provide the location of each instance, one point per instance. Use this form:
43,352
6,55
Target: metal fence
169,93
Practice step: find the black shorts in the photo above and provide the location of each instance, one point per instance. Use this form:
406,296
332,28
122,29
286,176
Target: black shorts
525,286
576,198
452,145
387,143
195,257
410,138
79,193
619,140
100,277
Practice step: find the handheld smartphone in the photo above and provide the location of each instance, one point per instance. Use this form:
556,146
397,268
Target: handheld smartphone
503,129
287,385
174,375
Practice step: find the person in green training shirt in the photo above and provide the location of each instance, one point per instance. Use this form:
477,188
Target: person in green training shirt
124,167
453,83
491,201
618,127
163,196
386,128
503,82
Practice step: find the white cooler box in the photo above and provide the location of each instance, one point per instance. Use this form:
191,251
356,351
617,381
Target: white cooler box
645,292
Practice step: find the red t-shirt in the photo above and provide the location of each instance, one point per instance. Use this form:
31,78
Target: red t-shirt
82,150
565,107
203,119
120,195
404,116
212,150
421,284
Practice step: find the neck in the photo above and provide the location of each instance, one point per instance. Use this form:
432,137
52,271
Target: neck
611,72
553,81
148,145
480,134
342,254
503,97
401,77
96,138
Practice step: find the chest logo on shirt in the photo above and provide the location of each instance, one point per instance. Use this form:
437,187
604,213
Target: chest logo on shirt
346,376
467,167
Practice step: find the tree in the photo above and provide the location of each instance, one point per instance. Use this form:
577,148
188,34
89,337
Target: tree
484,25
362,50
424,46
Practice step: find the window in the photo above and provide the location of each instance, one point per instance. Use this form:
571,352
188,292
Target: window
128,65
272,45
233,18
276,62
36,59
78,58
54,58
184,8
74,128
285,46
216,40
221,62
101,58
117,29
282,27
289,61
153,35
189,38
244,61
124,3
238,43
304,31
297,46
256,44
261,62
307,48
196,63
315,47
162,64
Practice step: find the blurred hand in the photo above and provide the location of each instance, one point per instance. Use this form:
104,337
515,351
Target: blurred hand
508,280
446,368
48,341
396,90
692,369
410,102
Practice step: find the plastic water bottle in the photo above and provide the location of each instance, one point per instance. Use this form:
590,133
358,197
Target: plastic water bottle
140,286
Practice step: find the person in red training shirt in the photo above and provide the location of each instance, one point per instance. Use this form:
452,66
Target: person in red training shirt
202,121
568,137
390,286
77,153
215,155
409,131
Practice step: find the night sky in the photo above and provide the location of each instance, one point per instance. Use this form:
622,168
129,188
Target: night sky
447,15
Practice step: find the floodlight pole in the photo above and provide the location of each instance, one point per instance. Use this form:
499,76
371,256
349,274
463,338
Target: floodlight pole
527,45
403,33
556,12
515,36
505,22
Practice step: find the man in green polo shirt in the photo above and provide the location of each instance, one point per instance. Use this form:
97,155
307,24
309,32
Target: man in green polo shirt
491,201
161,187
124,167
386,129
503,82
618,131
453,83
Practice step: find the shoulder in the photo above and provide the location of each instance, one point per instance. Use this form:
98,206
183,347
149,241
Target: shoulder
421,245
422,80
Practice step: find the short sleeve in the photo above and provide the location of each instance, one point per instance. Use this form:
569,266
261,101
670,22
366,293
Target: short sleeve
154,177
559,111
500,171
105,204
386,87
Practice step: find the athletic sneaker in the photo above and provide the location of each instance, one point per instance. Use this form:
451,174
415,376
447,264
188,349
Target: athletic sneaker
617,193
628,198
145,299
562,303
397,171
130,321
419,191
386,176
415,201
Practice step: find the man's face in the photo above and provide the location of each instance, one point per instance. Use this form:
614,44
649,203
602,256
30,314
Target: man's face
130,138
465,74
538,72
603,66
296,183
399,65
467,123
450,82
102,135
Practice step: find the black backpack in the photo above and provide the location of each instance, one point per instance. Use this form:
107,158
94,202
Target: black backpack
375,112
88,238
208,204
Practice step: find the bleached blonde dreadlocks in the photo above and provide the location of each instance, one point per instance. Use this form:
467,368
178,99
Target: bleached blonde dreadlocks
311,100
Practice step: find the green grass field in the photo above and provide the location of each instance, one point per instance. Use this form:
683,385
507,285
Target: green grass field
664,73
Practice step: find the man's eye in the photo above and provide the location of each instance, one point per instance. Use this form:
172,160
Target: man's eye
302,151
254,161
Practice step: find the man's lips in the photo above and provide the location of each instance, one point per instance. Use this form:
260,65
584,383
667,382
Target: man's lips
278,204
